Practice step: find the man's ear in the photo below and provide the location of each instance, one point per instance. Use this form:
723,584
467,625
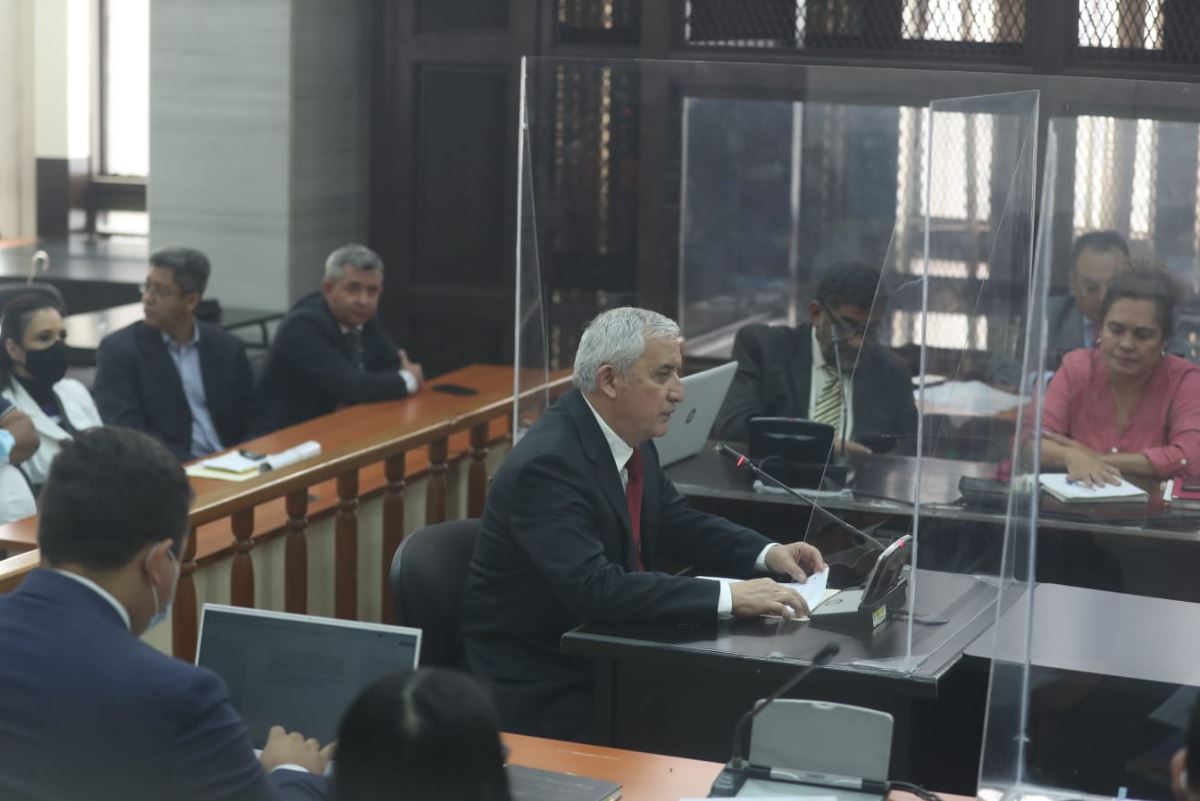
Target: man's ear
606,380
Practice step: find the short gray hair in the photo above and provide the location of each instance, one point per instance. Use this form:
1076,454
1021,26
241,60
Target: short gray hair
360,257
618,337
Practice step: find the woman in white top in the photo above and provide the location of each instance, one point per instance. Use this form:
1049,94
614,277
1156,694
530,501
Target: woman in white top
33,362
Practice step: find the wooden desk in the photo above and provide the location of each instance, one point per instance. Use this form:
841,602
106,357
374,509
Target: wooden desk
642,776
684,687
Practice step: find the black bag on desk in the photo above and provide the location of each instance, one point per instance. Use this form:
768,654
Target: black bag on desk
795,451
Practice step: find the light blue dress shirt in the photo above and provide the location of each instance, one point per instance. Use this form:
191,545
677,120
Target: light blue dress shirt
187,361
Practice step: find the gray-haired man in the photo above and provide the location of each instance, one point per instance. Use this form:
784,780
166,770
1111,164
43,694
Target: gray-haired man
580,521
330,351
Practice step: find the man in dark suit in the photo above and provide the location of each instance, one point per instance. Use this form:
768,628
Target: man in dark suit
330,351
184,381
1073,320
581,520
826,370
90,711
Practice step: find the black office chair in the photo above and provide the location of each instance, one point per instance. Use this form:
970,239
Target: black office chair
427,577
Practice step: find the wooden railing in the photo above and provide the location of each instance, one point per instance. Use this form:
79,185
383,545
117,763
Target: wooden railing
228,520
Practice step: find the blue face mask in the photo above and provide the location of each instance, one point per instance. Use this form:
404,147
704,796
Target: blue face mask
162,612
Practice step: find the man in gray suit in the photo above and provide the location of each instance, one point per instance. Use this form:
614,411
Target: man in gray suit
1074,319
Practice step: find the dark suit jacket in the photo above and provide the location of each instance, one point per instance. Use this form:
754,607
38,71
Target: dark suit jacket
91,712
774,377
310,372
137,385
556,551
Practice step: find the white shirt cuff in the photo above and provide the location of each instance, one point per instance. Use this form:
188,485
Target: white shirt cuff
290,766
725,601
410,381
760,564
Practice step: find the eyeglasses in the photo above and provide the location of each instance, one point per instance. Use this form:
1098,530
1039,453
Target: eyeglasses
157,290
849,329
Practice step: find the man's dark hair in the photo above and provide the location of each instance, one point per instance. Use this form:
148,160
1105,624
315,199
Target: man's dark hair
849,284
1098,242
1152,285
111,491
423,736
189,267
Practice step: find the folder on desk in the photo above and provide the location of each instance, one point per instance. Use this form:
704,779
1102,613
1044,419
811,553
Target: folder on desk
532,784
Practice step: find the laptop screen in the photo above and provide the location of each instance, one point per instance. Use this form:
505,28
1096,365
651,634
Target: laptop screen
298,671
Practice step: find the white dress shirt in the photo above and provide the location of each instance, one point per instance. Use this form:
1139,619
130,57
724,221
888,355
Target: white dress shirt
621,452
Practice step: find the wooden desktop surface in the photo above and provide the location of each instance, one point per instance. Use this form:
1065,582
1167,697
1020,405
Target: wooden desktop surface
343,431
642,776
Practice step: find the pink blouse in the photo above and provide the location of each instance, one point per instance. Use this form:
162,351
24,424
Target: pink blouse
1164,425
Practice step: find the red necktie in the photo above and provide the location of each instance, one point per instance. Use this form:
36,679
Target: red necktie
633,496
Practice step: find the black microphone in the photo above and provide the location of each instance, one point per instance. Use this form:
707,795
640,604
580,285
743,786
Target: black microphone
743,461
733,775
837,361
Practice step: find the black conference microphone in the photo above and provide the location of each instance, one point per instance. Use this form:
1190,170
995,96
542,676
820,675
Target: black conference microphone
733,775
837,361
743,461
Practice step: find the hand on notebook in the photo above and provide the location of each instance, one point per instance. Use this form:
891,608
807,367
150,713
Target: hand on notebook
766,596
291,748
797,560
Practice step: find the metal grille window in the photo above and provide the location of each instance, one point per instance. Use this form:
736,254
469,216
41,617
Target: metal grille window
1116,176
599,21
965,26
1156,31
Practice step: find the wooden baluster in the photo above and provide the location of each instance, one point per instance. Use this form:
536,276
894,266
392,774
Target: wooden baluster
346,547
477,478
295,564
184,617
436,495
242,589
393,527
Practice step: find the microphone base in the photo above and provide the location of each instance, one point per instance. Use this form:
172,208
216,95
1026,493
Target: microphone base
728,782
846,611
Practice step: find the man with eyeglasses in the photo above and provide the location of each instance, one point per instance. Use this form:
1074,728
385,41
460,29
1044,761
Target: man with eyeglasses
828,370
184,381
331,351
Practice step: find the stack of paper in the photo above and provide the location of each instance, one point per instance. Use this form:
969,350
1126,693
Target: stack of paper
1068,491
812,591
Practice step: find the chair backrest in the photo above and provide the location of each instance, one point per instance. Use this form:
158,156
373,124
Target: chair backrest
427,577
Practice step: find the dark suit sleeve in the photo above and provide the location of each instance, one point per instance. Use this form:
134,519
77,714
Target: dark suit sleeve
711,544
305,348
214,758
116,385
745,397
553,523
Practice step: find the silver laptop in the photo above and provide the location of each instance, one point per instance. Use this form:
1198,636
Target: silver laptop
703,394
298,671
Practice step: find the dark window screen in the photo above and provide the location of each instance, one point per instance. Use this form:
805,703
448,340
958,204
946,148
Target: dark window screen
296,672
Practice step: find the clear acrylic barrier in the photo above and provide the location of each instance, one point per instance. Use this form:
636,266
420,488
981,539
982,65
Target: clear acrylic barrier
1093,677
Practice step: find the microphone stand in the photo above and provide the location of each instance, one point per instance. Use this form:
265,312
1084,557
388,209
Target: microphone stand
733,775
743,462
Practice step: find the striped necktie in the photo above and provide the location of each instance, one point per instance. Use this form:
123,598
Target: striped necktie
828,408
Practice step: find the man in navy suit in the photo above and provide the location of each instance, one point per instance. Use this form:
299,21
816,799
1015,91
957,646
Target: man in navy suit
331,351
581,523
186,382
90,711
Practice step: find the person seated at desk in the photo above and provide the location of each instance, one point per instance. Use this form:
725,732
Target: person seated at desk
33,364
331,351
793,372
1125,408
1073,320
185,382
426,735
89,710
18,441
580,521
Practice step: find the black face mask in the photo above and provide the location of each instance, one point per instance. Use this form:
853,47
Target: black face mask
47,366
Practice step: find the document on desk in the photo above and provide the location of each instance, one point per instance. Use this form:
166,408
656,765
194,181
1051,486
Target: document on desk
812,591
969,396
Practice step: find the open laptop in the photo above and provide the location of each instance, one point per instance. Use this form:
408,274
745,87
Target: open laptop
703,394
298,671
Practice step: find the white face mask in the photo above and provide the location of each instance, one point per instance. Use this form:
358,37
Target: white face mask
161,612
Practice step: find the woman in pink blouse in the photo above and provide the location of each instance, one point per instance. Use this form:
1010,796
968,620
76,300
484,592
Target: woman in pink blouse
1125,408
